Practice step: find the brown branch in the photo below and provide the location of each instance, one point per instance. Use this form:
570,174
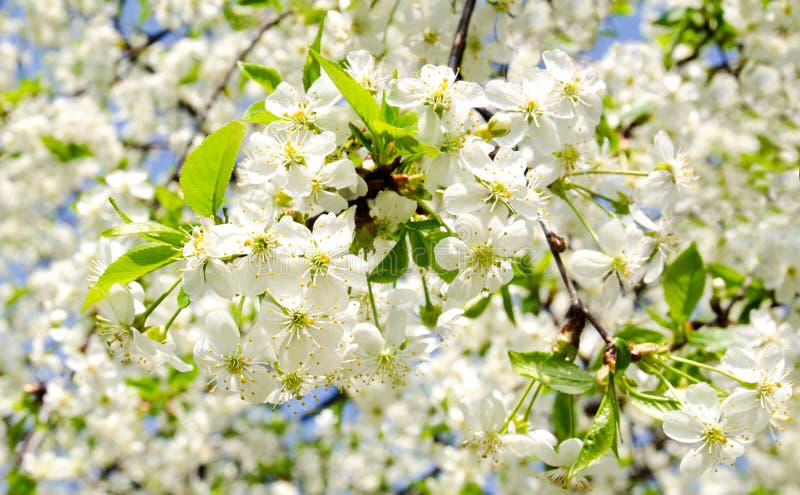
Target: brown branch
723,314
460,38
201,116
557,246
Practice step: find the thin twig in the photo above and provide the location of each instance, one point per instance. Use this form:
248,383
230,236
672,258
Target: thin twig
201,116
460,38
557,246
723,317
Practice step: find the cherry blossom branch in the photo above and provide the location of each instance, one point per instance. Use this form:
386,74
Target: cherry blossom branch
202,115
460,38
557,246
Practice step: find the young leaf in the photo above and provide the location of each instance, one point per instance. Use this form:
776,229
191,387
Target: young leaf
394,265
183,299
508,304
359,98
726,273
554,372
711,339
311,70
362,138
149,230
638,335
602,435
136,263
564,416
654,406
684,281
477,305
421,251
256,114
65,152
208,169
125,218
623,355
267,77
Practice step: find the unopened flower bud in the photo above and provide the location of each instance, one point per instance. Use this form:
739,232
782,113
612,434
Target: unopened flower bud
157,334
499,125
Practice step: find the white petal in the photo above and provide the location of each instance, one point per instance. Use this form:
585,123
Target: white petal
451,253
681,427
590,265
664,146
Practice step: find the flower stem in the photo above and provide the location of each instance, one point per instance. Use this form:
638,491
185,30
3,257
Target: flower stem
641,395
172,319
589,195
374,307
433,214
516,407
691,378
533,399
584,222
239,311
709,368
428,303
638,173
142,318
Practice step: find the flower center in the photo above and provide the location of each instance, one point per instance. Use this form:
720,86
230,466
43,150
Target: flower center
264,243
530,110
292,382
567,157
430,36
293,153
317,261
299,320
500,192
621,266
438,99
483,257
236,364
715,435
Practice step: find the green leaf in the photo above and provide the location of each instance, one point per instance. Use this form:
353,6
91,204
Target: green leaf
554,372
654,406
726,273
136,263
446,275
563,416
171,206
20,483
393,265
477,305
684,281
421,251
359,98
65,151
276,4
256,114
125,218
149,230
623,355
508,304
602,435
183,299
208,169
711,339
311,71
362,138
393,132
267,77
471,488
639,335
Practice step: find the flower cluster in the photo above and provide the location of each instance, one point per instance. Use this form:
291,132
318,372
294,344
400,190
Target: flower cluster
407,247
